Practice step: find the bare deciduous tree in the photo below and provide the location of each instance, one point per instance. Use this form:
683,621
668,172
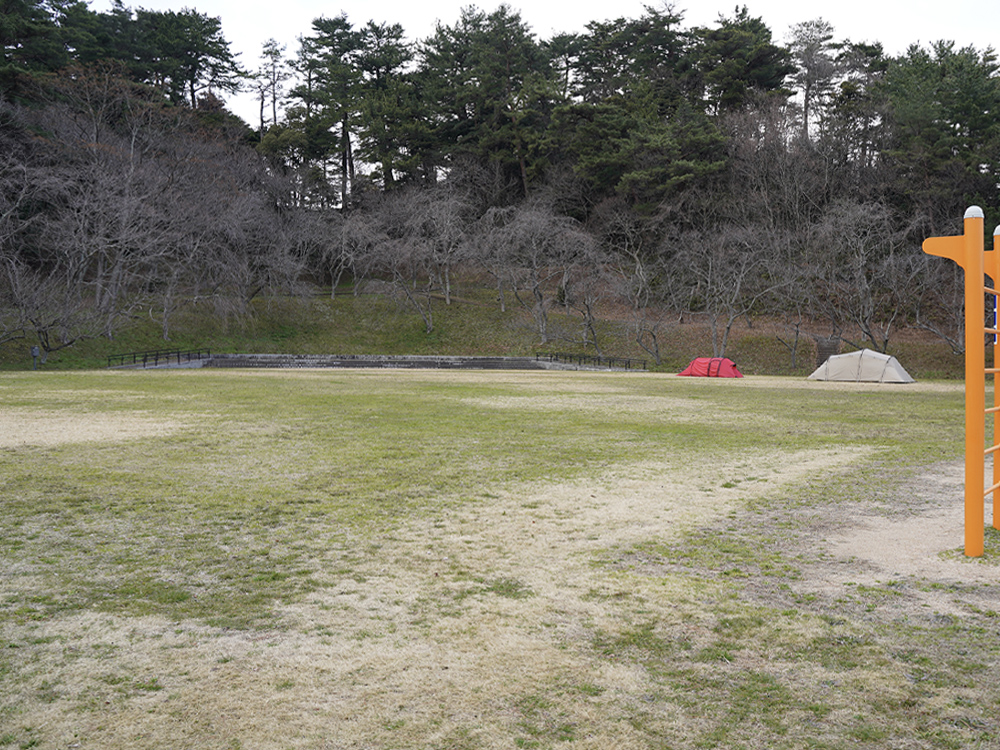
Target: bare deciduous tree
855,249
586,283
538,245
388,243
938,298
730,272
439,217
641,278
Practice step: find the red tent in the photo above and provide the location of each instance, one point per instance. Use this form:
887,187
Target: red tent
712,367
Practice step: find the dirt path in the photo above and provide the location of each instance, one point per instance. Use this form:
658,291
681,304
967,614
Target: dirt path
916,544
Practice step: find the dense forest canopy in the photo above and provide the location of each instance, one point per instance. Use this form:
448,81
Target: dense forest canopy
663,169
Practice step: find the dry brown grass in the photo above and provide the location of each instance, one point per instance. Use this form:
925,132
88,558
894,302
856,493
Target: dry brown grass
420,649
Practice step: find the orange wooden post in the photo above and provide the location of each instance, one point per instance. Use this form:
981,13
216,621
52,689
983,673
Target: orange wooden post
967,251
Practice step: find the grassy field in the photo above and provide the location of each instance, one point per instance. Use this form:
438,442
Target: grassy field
422,559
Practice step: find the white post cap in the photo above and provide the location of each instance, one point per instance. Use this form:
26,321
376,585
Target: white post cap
974,212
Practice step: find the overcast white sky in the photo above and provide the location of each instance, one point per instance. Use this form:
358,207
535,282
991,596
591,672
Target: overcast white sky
896,24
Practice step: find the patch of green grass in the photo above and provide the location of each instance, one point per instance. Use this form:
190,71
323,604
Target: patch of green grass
729,554
509,588
25,739
644,642
542,723
148,685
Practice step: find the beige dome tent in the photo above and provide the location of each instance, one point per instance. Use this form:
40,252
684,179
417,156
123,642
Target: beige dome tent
864,366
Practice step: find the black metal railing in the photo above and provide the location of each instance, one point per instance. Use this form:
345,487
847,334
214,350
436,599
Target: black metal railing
158,357
592,360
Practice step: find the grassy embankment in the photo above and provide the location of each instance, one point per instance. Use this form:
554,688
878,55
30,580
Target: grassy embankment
472,324
483,560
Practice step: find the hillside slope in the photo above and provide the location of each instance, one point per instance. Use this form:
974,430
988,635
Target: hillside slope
473,324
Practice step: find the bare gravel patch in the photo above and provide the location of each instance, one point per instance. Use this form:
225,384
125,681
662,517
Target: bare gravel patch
924,543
